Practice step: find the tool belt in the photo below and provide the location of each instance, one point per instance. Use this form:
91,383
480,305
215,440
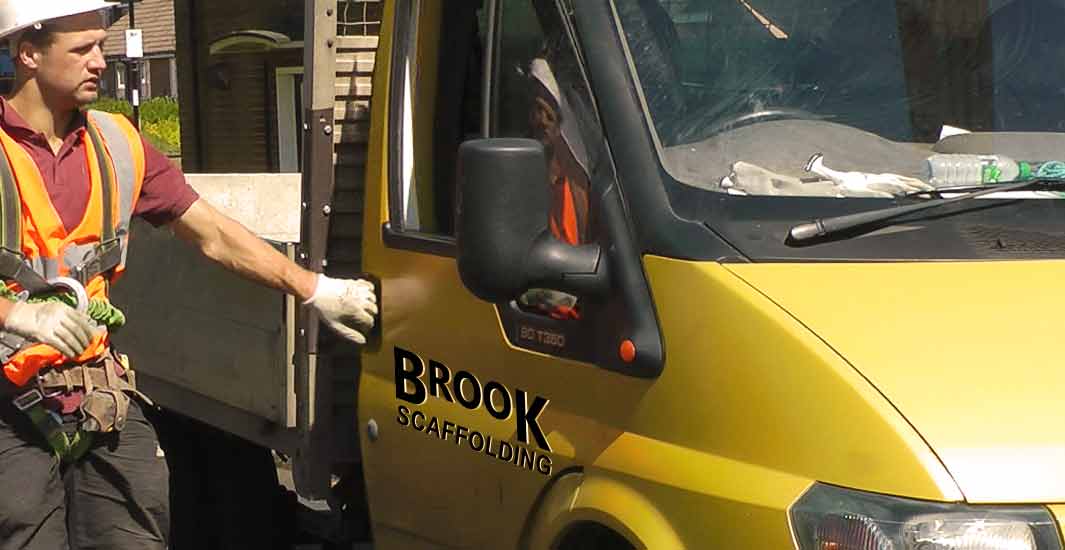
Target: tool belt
104,408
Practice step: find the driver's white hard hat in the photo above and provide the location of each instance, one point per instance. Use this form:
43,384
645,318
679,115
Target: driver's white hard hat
541,71
18,15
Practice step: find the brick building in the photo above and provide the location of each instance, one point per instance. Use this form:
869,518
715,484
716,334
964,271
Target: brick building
241,63
159,66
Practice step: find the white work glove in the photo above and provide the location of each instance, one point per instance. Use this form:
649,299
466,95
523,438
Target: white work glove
348,306
58,325
857,184
751,179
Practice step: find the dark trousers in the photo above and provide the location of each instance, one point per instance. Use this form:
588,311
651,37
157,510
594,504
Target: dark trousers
116,497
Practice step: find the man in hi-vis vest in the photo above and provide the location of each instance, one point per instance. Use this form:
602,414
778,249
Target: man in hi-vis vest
79,466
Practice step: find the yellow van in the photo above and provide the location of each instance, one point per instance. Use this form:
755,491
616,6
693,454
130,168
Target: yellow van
723,355
745,274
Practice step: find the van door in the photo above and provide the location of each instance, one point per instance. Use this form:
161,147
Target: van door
469,409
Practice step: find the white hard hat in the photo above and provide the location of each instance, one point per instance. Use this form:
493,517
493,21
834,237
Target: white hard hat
17,15
541,71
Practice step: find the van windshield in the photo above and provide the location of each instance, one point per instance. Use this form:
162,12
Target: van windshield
851,98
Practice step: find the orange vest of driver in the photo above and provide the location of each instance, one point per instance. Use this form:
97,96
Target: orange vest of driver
47,245
568,217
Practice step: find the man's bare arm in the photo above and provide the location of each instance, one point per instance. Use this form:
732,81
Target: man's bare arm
232,245
347,306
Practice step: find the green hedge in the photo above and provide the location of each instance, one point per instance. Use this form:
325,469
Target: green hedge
158,109
112,105
160,120
165,135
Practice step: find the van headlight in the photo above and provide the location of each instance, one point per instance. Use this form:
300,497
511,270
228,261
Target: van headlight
832,518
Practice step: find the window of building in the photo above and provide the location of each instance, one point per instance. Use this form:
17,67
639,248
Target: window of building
289,117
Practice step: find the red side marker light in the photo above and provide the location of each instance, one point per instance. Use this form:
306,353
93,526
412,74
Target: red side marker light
627,351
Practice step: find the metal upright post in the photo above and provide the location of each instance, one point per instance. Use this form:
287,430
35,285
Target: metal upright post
133,74
311,472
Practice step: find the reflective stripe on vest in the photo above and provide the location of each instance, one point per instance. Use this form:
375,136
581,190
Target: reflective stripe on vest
47,245
127,156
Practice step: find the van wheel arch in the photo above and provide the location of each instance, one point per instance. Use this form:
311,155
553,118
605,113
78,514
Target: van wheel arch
592,536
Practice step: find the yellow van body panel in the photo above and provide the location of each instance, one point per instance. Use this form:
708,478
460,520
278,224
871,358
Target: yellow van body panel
745,381
377,154
1058,511
970,353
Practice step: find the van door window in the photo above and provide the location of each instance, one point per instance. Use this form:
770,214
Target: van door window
439,79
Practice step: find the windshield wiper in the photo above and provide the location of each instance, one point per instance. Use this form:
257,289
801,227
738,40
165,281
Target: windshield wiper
823,228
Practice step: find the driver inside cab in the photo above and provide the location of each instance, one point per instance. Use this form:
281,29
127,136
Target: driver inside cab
553,124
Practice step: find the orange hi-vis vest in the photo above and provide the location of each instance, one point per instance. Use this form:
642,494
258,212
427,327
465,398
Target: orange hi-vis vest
564,223
94,252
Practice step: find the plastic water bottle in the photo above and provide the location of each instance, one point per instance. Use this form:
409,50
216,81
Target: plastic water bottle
961,170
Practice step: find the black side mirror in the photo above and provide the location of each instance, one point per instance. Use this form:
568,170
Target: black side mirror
504,246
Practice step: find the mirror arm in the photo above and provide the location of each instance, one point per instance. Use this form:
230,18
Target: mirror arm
560,266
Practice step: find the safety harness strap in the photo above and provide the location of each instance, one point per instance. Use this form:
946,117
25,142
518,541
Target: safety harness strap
104,408
66,447
12,264
107,182
10,206
13,267
108,253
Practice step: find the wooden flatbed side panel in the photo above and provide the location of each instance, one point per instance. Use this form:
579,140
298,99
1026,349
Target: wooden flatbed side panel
193,324
196,326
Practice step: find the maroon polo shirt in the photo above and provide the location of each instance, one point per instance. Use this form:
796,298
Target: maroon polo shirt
164,197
